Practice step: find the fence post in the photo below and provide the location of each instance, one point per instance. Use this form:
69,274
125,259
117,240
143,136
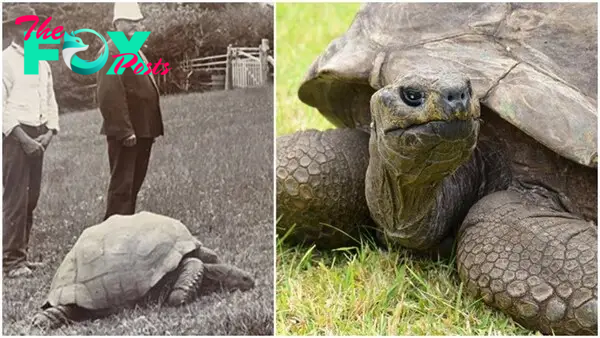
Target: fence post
228,70
264,62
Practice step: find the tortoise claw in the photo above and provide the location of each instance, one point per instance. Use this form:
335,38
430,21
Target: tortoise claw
49,319
40,320
177,298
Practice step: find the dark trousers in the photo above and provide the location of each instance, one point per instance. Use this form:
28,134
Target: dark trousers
128,167
21,180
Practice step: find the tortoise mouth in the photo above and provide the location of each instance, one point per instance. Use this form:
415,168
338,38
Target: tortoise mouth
450,130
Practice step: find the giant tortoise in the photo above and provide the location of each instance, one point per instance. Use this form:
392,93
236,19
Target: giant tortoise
466,128
130,258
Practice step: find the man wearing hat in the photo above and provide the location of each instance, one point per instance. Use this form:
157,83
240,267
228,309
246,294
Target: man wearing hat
29,121
129,104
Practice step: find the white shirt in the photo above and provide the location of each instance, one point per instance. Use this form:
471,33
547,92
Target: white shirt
26,99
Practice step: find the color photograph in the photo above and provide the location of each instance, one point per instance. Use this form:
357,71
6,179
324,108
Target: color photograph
436,169
138,168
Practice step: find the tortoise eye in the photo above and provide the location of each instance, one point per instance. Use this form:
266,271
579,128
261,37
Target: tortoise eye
411,97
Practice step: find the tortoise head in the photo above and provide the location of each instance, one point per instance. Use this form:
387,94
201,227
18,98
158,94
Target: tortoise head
228,277
425,119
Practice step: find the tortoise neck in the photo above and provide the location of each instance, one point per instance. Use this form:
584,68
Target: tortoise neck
214,279
216,272
418,214
403,211
225,277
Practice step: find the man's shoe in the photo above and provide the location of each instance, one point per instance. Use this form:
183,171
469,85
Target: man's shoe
21,271
34,265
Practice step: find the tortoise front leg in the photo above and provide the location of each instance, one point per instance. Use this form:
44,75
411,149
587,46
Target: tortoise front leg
55,316
321,186
188,280
535,264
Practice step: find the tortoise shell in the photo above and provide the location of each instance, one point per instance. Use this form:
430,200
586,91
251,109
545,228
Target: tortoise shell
534,64
120,260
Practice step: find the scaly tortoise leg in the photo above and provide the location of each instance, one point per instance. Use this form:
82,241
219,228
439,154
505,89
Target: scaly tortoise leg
55,316
535,264
321,186
187,283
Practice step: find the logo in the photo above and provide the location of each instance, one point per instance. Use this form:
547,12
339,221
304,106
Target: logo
128,50
73,44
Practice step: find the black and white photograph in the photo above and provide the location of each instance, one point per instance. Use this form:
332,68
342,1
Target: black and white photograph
137,154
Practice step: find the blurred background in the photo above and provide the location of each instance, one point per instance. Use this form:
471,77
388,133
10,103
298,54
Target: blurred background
304,30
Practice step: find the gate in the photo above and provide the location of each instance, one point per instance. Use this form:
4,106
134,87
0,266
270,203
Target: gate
246,73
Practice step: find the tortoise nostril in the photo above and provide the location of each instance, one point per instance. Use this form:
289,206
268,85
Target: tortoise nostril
462,96
450,98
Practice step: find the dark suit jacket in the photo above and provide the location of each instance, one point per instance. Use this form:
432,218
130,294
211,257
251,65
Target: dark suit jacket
129,103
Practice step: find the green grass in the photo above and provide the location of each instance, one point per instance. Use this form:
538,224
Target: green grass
363,290
303,32
212,170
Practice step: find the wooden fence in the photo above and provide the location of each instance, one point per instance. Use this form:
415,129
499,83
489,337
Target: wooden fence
240,67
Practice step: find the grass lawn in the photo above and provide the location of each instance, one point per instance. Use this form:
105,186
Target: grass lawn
212,170
362,290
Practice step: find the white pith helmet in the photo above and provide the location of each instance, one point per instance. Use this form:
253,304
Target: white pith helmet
127,10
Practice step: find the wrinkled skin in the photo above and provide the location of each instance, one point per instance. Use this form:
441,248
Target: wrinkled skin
525,240
413,149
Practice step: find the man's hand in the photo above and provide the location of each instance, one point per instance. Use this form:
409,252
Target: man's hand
129,141
32,147
45,139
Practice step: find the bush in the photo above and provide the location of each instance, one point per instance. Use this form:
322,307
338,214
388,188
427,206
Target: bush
178,30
